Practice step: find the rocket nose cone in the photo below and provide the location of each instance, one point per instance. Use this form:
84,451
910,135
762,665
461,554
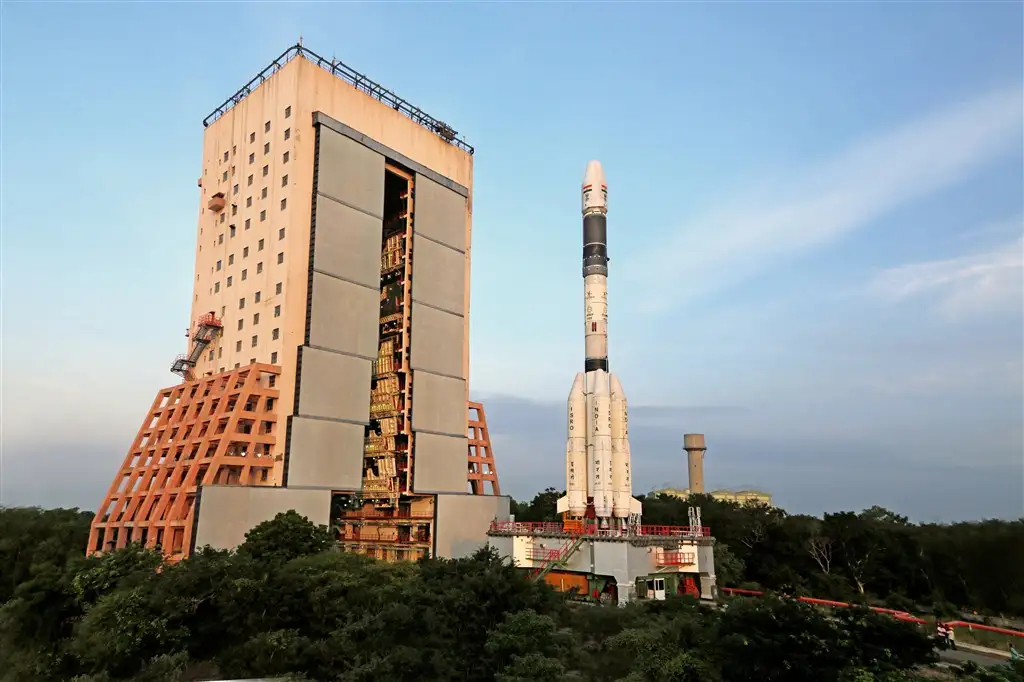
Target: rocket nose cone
594,175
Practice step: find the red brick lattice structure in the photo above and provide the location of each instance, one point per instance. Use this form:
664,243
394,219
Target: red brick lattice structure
481,457
220,429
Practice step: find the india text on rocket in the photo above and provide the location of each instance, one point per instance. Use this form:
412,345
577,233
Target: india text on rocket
599,482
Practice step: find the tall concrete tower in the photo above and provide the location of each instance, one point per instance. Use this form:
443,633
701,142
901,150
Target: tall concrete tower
318,376
695,448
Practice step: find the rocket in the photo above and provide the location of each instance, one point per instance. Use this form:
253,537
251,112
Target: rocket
598,474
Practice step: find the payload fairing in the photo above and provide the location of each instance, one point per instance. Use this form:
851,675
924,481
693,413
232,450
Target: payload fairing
599,481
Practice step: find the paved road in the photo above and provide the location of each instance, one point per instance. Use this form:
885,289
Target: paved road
961,655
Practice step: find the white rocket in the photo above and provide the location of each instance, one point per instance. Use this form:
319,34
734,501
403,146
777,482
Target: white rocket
598,474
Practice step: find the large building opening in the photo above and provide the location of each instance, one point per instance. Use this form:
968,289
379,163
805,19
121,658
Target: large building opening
386,520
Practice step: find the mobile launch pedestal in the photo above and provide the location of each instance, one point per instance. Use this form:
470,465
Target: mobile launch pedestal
600,549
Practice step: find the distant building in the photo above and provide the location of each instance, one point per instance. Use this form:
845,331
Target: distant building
318,191
737,496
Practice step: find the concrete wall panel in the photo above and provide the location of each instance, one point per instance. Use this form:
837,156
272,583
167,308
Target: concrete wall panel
441,465
440,213
463,520
334,386
344,316
347,243
351,173
440,275
438,404
227,513
437,339
325,454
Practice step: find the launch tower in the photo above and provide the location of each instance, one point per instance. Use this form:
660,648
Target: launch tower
318,375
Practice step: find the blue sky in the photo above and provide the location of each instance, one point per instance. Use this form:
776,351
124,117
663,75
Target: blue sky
815,228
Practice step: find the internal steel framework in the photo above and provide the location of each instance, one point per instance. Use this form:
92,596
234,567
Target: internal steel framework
352,77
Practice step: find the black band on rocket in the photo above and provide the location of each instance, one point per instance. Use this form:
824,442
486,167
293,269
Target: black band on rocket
593,364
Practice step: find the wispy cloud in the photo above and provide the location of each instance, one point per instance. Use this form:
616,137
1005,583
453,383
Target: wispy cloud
960,287
824,202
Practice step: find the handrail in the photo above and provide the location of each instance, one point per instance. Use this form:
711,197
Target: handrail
898,615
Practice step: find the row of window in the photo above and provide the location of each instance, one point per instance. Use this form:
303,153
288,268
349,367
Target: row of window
238,348
245,254
266,129
272,379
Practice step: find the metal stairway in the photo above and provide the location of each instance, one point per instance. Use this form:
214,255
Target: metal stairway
557,558
207,327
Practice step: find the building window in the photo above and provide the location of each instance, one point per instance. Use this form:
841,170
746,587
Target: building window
234,190
284,203
223,309
218,266
241,303
256,297
273,359
263,216
238,346
232,229
277,311
229,280
245,275
288,112
248,202
210,356
220,238
256,318
266,127
275,335
259,267
231,259
222,217
284,157
241,323
280,233
259,246
252,361
266,171
255,340
266,147
280,258
278,288
225,156
234,209
287,133
263,194
252,137
284,180
248,181
234,149
225,177
247,223
252,157
216,287
245,252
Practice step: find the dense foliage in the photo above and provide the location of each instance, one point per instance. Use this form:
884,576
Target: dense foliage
288,603
875,555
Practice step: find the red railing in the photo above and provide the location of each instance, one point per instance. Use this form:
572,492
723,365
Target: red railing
544,554
677,559
385,515
209,320
898,615
530,528
355,537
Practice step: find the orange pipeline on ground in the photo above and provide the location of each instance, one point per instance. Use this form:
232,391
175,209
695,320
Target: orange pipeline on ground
898,615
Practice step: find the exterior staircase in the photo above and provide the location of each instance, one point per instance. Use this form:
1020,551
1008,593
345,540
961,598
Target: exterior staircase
555,558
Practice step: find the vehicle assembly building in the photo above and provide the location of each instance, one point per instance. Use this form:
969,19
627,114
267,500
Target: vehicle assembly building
327,367
601,550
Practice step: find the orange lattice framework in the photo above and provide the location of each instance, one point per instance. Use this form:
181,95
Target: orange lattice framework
481,458
219,429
